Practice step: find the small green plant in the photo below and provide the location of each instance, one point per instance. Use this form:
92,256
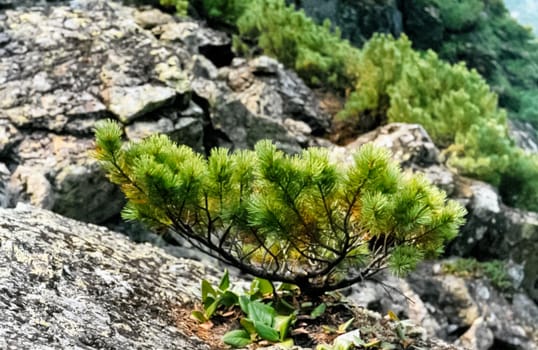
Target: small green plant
494,270
295,219
261,319
213,298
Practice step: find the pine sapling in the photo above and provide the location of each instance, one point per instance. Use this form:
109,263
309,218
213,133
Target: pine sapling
297,219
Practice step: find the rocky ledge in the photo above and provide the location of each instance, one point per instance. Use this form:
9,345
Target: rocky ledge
65,66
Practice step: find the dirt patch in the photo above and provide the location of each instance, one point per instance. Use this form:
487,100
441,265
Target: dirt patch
307,332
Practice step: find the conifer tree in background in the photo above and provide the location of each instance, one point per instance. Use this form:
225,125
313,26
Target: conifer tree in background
297,219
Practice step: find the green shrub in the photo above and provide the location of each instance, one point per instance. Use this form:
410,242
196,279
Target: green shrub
519,183
317,53
454,104
222,11
295,219
485,36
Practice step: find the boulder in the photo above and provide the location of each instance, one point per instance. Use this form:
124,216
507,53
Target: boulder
524,135
66,284
65,66
466,311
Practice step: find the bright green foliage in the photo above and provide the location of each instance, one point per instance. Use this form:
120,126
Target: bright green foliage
494,270
454,104
261,321
317,53
297,219
181,5
214,298
484,35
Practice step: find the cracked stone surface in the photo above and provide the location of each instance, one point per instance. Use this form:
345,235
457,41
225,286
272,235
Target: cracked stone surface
65,65
70,285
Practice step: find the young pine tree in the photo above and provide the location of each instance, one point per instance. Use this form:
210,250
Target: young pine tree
298,219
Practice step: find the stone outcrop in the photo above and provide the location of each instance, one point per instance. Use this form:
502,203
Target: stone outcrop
524,135
467,311
64,67
65,284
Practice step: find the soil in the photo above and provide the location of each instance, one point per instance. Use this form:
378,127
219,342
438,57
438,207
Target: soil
307,332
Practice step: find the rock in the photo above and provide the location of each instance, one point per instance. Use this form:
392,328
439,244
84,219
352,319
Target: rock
215,46
128,103
410,145
9,137
78,63
56,172
65,67
483,315
478,337
5,195
495,231
151,18
66,284
524,135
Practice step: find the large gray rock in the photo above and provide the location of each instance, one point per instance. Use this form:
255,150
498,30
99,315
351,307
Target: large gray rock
68,285
467,311
65,66
524,135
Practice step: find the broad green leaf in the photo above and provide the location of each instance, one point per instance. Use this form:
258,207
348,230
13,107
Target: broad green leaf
318,311
259,312
208,301
210,310
264,287
282,325
207,289
238,338
266,332
225,281
288,287
243,302
248,325
229,298
199,316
